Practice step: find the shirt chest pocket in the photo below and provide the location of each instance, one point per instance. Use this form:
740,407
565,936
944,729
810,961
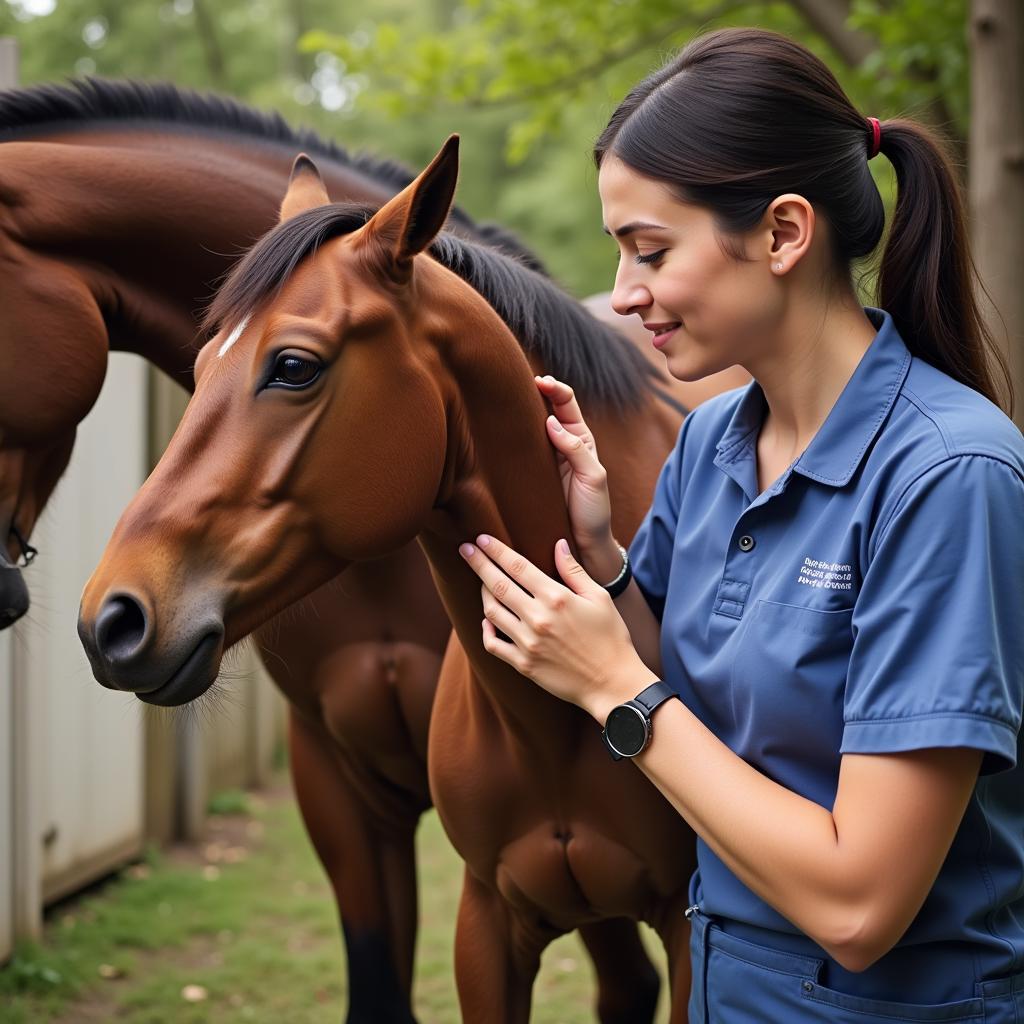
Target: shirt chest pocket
788,678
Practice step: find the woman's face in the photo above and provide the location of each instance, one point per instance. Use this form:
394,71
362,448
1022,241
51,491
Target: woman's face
706,310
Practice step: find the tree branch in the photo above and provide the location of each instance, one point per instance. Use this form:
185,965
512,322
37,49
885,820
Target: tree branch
828,19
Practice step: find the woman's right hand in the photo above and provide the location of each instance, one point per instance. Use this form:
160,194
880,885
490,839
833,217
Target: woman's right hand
584,479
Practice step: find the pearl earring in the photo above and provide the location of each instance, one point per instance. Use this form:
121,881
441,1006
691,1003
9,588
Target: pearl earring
778,266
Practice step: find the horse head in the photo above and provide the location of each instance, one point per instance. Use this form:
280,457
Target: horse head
317,435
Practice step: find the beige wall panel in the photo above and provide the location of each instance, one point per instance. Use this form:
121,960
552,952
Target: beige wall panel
86,776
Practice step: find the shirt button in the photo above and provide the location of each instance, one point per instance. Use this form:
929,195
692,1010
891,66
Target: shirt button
747,542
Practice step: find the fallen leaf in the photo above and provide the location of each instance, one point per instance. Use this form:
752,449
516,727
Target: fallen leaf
110,972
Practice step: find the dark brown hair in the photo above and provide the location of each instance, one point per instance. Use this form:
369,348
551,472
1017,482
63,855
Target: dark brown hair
741,116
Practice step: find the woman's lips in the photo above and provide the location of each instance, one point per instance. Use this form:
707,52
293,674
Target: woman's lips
662,332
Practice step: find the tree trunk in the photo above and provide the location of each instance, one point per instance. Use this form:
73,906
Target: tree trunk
997,171
212,51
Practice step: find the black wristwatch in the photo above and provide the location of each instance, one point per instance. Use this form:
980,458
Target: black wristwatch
627,729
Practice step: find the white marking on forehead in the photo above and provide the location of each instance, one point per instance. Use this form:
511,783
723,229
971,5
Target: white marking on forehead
235,335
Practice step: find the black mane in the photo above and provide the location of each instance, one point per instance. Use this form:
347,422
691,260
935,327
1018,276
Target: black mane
573,345
87,100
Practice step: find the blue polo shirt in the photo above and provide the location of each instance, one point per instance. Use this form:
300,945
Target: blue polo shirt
871,600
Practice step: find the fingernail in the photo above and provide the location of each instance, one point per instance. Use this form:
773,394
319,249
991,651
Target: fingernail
549,378
563,546
555,425
467,550
483,540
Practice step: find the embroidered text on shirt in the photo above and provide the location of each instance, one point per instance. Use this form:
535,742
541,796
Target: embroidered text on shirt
827,575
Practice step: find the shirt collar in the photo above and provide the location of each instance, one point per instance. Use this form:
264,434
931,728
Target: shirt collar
837,448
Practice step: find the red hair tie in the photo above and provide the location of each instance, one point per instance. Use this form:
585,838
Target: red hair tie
876,137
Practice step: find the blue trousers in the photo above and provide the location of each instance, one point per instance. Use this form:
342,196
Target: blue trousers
739,982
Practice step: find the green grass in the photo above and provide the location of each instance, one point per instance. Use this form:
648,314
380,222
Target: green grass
228,801
259,935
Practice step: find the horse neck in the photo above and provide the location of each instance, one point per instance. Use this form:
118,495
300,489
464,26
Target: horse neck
150,222
502,480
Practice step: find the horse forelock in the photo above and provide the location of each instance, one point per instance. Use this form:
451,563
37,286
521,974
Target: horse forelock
569,342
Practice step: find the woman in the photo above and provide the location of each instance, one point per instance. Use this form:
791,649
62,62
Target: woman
830,576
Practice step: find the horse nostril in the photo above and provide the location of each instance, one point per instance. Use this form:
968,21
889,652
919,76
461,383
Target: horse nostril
120,629
9,616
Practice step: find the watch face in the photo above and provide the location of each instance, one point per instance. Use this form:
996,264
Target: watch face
626,729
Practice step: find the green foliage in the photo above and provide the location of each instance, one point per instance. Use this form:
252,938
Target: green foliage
921,57
546,56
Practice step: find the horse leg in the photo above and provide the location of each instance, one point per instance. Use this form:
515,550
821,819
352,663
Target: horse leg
373,880
627,983
497,956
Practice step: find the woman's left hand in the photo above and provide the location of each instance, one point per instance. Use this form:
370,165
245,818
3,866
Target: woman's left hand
570,640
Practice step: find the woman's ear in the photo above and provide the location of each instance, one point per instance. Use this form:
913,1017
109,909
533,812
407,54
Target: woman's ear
789,224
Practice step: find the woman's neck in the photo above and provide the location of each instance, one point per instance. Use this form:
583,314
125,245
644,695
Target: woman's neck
817,349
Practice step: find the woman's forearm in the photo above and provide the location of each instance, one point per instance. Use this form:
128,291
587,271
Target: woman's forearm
779,844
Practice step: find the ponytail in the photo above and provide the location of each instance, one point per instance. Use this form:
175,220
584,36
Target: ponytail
928,281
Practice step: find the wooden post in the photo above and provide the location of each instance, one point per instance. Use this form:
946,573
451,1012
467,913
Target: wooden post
21,904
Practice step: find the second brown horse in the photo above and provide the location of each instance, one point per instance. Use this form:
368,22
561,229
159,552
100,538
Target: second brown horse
358,394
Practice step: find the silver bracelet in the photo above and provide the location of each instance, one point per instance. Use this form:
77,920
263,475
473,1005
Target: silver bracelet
619,584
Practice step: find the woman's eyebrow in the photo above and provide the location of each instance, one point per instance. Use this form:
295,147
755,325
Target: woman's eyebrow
636,225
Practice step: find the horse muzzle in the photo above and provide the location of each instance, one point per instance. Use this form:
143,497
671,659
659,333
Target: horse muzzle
123,650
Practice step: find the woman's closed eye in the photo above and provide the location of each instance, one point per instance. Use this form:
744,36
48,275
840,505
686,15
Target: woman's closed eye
649,257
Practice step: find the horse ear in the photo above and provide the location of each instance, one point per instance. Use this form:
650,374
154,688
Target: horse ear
305,189
407,224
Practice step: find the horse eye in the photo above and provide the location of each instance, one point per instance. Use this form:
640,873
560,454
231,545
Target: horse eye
293,372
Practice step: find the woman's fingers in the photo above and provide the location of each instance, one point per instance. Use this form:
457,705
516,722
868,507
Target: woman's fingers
563,402
512,578
578,451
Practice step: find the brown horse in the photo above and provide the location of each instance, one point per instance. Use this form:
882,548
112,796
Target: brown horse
360,393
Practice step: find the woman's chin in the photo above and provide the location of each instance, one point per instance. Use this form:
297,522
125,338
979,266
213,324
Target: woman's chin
684,366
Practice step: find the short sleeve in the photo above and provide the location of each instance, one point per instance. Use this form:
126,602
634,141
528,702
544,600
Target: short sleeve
650,553
938,647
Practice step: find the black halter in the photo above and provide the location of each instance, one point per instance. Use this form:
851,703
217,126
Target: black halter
28,553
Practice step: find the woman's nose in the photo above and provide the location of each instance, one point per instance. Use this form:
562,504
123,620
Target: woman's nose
629,295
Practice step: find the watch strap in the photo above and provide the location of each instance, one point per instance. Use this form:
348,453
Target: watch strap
654,696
